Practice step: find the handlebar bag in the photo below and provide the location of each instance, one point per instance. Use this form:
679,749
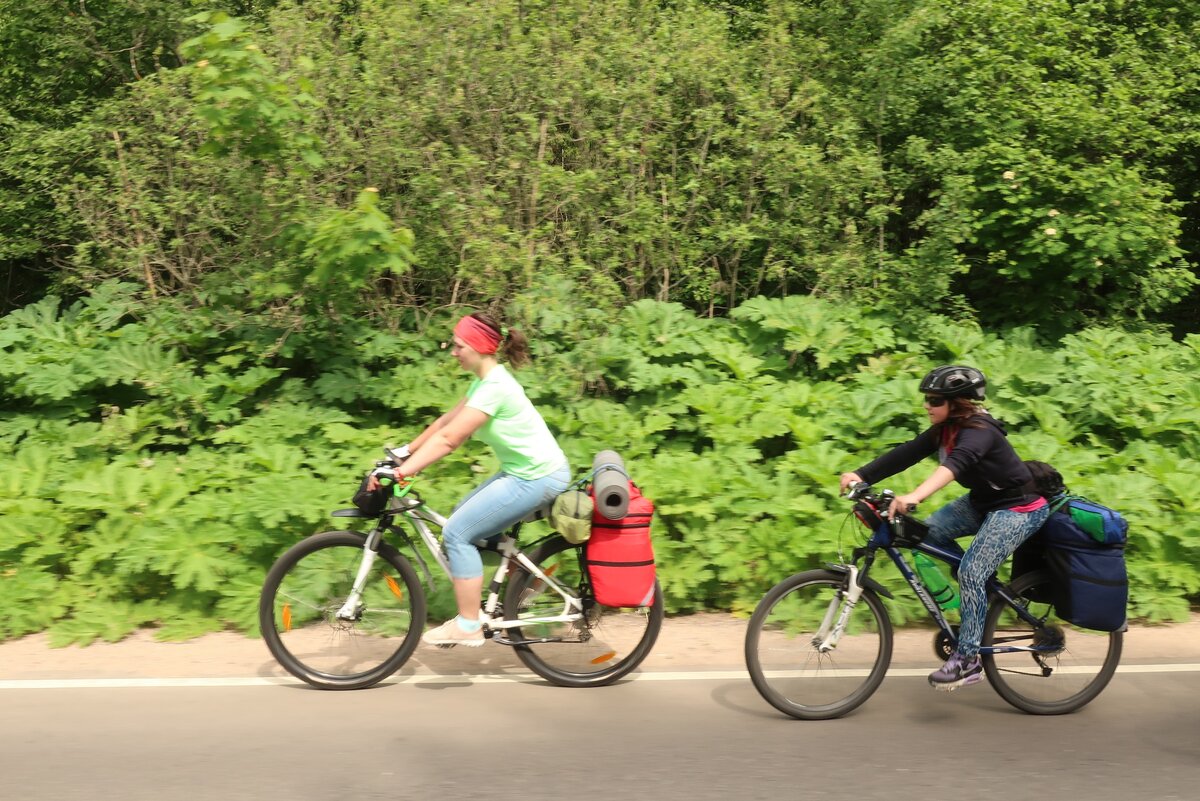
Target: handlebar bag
619,556
372,502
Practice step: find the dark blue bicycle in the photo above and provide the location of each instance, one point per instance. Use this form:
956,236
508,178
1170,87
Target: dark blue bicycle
820,642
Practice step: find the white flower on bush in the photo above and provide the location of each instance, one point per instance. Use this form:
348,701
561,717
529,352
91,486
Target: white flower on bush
1008,175
1052,213
1051,231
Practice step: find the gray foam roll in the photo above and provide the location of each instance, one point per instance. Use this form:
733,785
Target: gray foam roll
611,485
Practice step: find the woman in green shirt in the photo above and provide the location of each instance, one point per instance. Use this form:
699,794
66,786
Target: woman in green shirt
533,469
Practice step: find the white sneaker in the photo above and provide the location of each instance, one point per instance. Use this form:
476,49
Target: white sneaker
450,633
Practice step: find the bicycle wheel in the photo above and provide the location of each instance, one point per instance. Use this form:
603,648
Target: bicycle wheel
786,665
589,652
1052,682
305,589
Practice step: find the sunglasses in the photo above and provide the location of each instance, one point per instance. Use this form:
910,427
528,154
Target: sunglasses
934,401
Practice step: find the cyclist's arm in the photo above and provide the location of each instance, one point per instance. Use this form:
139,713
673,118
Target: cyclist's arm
900,458
435,426
455,428
940,478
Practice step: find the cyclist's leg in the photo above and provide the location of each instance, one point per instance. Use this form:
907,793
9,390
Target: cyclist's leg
1002,531
491,508
956,519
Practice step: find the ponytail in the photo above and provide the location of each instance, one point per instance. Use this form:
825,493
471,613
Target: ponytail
513,343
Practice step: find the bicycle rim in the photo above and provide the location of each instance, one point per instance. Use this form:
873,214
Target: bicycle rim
1053,683
586,653
307,587
783,654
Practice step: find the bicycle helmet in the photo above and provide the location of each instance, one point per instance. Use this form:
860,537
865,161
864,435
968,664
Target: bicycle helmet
955,381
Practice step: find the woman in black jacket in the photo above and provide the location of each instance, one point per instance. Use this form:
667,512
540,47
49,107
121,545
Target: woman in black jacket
1001,510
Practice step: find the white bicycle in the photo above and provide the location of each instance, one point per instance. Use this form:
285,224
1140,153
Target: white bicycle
345,609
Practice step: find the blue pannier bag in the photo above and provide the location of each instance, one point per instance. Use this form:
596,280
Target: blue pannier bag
1092,583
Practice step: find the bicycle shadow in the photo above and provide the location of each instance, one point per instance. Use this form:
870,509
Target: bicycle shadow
433,668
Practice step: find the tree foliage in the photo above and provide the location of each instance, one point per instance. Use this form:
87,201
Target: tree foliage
942,156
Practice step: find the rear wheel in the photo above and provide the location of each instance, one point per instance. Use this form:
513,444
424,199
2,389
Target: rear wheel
301,598
1071,665
605,644
793,664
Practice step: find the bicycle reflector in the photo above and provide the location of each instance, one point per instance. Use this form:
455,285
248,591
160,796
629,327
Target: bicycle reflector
867,515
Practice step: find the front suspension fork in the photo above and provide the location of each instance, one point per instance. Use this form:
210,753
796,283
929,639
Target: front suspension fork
353,605
837,615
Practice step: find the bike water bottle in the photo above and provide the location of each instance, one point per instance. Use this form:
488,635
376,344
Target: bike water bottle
942,592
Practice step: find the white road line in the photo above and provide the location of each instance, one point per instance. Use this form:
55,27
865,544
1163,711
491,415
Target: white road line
431,678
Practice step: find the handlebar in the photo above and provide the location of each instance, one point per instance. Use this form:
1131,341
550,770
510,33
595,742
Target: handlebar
881,501
385,469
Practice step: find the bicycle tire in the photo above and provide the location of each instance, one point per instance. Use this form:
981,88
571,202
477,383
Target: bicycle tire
787,669
1078,671
613,642
305,588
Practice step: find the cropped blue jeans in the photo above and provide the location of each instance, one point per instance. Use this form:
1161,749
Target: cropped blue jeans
492,507
997,535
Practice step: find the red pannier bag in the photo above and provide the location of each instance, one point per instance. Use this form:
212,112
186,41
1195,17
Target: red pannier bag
619,556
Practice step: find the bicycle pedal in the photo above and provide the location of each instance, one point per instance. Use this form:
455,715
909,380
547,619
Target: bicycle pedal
446,646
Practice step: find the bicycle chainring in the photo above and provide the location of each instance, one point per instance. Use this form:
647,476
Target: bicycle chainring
943,645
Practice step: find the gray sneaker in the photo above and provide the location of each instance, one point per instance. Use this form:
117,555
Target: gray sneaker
959,671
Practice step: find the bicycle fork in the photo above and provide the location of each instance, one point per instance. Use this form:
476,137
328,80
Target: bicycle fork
353,606
838,614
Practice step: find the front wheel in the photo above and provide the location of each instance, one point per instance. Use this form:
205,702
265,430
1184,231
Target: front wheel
794,662
605,644
306,589
1069,667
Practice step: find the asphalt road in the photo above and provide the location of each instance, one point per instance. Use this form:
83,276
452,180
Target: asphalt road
437,738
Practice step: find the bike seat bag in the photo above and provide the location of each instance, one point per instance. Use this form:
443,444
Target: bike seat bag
620,557
571,516
1091,580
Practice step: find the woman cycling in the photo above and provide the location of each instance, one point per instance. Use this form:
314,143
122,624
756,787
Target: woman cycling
533,469
1001,509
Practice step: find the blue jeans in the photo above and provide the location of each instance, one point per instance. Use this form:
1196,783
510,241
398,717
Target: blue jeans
492,507
997,535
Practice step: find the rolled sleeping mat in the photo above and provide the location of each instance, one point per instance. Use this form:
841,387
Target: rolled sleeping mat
610,484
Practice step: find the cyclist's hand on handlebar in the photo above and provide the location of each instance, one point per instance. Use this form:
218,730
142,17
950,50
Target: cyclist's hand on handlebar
903,505
848,479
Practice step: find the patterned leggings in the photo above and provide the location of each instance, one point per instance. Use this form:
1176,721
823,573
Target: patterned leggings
997,535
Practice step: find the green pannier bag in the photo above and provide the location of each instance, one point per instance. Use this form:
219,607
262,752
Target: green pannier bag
571,516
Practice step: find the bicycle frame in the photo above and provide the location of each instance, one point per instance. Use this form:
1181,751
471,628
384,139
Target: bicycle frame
420,517
882,539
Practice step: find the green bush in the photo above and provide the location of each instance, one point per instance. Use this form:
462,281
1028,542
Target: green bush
153,474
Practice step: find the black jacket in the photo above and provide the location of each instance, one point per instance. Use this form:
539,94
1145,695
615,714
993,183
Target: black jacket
981,459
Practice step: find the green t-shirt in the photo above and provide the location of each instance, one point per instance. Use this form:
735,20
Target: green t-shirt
514,430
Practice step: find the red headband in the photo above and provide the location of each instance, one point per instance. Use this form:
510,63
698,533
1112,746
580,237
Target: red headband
479,336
